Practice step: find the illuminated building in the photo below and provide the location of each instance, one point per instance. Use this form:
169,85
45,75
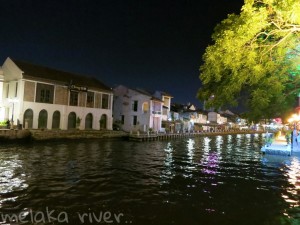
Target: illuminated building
37,97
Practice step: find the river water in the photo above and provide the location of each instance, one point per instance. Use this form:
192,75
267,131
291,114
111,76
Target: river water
220,180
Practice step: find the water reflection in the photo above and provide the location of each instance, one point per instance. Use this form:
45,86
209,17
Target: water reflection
12,178
210,159
202,180
167,172
290,167
210,163
206,145
219,142
294,173
191,149
293,191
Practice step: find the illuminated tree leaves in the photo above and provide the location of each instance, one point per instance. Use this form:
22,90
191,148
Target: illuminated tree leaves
256,53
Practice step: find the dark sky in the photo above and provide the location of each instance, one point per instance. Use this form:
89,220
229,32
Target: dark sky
151,44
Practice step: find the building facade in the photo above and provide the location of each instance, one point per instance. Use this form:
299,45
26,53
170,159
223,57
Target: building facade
214,117
137,110
2,108
37,97
166,99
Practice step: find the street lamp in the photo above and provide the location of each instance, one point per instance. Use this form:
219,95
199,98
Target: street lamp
294,119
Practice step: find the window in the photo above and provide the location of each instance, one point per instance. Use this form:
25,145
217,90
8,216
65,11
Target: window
156,108
104,101
7,90
16,91
73,98
145,107
44,93
166,101
122,119
90,99
43,118
135,106
45,96
134,120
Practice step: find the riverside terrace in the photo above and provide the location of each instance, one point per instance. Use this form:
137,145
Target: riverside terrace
40,135
165,136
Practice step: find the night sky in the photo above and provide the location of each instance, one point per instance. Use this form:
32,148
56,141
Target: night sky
150,44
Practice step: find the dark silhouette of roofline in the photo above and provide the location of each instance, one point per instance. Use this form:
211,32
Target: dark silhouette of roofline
49,74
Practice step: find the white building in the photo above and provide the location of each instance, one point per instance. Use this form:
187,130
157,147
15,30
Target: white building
137,109
201,118
40,97
2,109
166,99
214,117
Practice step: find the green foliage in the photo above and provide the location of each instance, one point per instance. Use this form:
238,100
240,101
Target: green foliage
254,59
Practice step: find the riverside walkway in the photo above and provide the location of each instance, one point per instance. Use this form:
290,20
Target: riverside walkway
43,135
166,136
278,147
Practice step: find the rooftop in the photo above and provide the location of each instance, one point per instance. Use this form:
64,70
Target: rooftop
36,71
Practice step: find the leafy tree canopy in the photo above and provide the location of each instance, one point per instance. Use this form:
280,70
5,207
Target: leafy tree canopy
255,59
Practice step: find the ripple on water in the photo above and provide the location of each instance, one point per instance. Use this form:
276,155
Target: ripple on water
202,180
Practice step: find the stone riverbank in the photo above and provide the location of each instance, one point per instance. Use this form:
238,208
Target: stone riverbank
40,135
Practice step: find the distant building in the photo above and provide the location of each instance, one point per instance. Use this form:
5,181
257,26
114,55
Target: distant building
190,118
214,117
137,109
37,97
166,99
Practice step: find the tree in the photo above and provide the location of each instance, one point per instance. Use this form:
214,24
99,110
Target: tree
254,59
